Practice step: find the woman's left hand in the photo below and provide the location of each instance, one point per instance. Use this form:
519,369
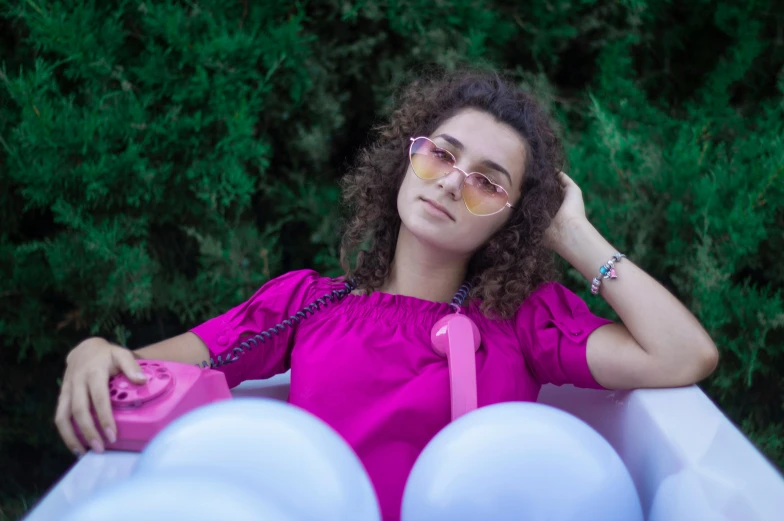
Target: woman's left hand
571,213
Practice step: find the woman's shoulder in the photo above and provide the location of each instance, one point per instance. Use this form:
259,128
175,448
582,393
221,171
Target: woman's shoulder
548,292
307,275
308,281
552,299
294,276
548,295
552,303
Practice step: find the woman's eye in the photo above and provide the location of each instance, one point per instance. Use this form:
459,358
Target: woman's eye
486,185
442,154
491,182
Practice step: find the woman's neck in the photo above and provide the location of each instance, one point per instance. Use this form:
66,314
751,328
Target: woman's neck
421,271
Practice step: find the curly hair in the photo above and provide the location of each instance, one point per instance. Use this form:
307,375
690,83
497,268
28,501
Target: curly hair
514,261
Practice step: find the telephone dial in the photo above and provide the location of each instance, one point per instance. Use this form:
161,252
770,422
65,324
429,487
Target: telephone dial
171,390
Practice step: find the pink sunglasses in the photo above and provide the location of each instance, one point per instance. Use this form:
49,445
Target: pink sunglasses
480,195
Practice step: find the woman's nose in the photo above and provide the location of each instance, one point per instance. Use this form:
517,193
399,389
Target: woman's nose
453,182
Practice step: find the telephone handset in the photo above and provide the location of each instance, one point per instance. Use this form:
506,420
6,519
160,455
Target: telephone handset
172,389
456,337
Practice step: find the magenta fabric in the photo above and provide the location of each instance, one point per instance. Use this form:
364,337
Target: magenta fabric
364,365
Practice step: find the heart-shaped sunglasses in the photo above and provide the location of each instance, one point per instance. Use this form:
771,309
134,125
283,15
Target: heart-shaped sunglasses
480,195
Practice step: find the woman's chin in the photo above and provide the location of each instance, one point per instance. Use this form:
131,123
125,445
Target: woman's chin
434,235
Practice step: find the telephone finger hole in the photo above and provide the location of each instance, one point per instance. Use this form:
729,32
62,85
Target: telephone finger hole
125,394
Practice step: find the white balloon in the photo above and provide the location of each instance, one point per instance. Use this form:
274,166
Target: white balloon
276,448
170,496
517,461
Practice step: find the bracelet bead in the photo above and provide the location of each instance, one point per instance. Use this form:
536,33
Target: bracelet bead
607,271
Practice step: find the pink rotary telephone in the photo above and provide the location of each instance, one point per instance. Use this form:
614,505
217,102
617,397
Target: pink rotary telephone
171,390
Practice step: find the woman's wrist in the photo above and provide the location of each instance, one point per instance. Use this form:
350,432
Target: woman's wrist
585,248
87,342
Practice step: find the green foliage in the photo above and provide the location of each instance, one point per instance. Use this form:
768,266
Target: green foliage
160,160
695,193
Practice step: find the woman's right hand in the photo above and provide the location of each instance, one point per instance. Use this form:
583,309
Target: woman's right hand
86,385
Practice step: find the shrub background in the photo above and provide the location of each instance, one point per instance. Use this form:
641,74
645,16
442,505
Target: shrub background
160,160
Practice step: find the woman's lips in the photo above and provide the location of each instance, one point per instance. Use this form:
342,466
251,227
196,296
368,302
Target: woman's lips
436,209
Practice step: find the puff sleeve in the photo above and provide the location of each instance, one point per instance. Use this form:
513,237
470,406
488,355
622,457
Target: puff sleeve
275,301
553,326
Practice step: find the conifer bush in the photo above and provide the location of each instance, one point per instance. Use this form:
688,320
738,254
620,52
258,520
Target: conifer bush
160,160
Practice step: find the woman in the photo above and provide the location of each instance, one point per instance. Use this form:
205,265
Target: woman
461,185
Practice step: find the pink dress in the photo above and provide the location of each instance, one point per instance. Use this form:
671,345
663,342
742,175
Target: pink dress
365,366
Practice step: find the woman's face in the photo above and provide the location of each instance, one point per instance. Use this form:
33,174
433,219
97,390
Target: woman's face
479,144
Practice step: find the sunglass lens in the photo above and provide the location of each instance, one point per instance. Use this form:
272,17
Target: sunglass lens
483,197
429,161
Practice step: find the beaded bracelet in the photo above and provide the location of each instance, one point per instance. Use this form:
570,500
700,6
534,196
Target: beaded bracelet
606,272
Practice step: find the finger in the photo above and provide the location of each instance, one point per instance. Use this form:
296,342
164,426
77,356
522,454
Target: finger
84,420
98,390
129,367
62,419
566,181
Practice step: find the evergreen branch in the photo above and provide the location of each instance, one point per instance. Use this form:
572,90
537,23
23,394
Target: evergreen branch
7,148
37,9
760,201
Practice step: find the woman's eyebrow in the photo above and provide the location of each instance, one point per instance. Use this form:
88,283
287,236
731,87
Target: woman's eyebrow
486,162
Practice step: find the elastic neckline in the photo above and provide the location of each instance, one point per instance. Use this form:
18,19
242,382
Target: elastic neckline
385,306
384,299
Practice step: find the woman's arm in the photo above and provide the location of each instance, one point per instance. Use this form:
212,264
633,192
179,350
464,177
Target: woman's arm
659,344
186,348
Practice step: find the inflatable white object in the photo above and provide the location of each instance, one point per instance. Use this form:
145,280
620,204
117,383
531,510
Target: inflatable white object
178,495
664,437
275,448
514,461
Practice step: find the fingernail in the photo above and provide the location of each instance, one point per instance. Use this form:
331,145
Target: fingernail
97,446
77,453
111,436
141,376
